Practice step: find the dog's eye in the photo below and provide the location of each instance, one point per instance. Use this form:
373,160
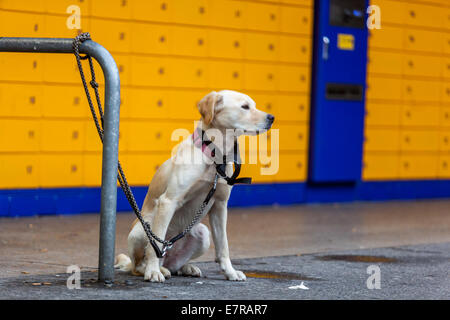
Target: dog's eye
245,106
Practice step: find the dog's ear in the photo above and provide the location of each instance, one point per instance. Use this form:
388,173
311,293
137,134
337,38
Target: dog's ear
206,106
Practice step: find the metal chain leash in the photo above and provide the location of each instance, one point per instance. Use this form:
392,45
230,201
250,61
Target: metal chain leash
167,244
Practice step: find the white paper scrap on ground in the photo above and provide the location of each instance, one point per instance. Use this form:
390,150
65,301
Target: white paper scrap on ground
300,286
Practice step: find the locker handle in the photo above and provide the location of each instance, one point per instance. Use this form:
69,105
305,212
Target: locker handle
325,46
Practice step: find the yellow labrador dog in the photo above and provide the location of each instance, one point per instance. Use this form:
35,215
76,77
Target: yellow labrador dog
179,187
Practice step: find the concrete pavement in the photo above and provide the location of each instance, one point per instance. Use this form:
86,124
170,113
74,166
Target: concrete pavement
328,247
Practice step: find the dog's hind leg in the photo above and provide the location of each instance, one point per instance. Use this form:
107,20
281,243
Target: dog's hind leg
194,245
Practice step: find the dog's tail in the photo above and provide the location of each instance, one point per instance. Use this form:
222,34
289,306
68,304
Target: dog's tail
123,262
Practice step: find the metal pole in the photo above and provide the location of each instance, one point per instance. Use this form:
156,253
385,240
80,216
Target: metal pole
111,133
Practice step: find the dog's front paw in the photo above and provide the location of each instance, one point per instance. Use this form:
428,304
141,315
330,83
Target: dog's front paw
235,275
154,276
166,272
190,270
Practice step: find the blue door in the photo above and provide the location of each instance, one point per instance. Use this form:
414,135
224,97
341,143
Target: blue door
337,102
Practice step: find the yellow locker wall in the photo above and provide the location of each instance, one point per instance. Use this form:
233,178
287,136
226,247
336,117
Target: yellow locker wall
170,53
408,92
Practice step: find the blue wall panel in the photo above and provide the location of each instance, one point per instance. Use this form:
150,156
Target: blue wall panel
84,200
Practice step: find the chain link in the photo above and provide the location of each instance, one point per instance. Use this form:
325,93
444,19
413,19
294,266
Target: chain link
167,244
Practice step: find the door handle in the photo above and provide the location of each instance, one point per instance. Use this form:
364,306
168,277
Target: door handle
325,47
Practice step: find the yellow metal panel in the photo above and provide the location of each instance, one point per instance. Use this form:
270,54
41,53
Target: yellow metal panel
226,44
56,27
30,5
189,41
446,38
445,90
19,135
20,24
446,67
261,47
291,137
189,73
444,166
260,76
262,17
292,167
421,90
296,20
387,37
21,67
295,49
151,136
383,88
380,114
157,38
149,103
150,71
391,11
445,117
380,166
381,139
428,66
155,10
292,108
183,104
62,135
62,68
385,62
140,168
20,100
254,171
298,2
60,6
111,9
229,14
420,116
444,141
191,12
92,141
92,169
60,170
123,62
113,35
125,103
419,140
19,171
64,101
424,15
427,41
294,78
418,166
225,75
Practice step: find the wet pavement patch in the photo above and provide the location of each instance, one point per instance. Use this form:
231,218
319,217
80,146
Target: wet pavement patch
277,275
357,258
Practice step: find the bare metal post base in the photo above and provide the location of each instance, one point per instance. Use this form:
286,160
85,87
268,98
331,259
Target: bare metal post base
111,133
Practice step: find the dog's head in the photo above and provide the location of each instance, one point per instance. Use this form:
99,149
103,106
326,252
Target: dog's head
228,109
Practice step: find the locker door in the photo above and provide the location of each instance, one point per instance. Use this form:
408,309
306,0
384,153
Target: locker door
337,109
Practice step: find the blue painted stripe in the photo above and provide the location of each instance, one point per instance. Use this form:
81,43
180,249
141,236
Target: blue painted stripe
81,200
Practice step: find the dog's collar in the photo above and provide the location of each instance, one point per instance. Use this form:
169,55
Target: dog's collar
200,140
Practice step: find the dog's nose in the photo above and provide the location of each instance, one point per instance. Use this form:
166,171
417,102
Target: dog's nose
270,118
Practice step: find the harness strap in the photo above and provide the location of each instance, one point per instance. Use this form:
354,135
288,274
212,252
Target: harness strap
213,152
